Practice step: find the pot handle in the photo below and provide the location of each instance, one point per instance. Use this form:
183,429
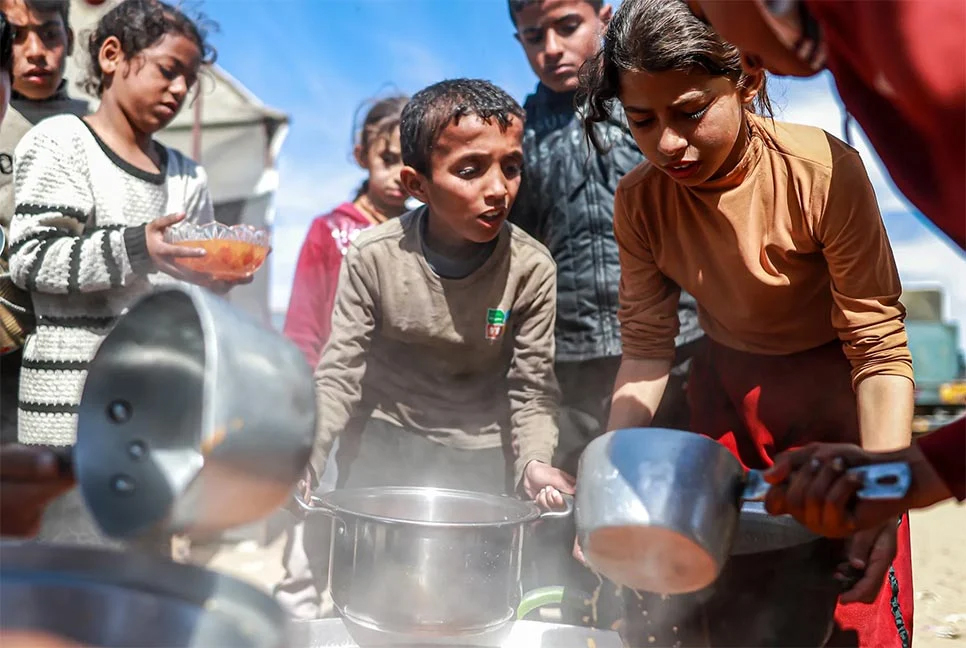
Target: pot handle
314,505
537,598
565,512
880,481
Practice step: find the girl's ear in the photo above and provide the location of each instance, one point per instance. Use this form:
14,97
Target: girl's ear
111,55
414,183
360,156
605,14
750,84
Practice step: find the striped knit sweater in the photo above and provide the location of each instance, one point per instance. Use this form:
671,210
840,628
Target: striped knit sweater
77,245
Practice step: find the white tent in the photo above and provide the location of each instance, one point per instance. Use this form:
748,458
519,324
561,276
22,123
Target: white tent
230,132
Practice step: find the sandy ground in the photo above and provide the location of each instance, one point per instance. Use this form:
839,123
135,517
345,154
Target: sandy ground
939,564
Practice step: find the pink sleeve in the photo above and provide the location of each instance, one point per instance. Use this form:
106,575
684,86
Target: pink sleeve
308,321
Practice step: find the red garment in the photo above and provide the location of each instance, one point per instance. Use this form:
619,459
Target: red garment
900,68
759,406
308,321
945,449
918,128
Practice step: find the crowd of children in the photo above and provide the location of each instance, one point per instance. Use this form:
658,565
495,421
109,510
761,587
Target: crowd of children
640,244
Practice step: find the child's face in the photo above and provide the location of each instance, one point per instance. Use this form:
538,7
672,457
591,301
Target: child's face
764,37
475,178
558,36
383,160
151,87
686,124
41,45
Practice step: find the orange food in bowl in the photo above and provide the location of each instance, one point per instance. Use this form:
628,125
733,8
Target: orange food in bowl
226,260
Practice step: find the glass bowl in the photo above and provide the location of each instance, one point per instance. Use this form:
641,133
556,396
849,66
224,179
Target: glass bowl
233,252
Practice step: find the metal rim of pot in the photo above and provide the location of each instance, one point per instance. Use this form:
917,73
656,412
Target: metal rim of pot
329,504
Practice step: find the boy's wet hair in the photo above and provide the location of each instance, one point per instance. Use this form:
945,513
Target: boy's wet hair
60,7
516,6
138,25
433,108
656,36
381,119
6,46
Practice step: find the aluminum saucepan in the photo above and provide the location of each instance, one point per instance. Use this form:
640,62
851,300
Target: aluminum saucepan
194,418
657,509
426,562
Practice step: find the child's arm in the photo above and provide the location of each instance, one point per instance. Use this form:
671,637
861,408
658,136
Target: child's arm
338,378
531,383
649,324
867,313
308,320
50,251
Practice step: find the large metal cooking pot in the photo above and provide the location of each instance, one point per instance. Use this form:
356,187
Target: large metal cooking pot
100,597
426,561
194,418
657,509
778,588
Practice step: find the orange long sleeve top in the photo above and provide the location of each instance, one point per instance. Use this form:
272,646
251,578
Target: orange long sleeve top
783,254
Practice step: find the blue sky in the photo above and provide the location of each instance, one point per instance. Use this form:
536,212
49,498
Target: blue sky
319,59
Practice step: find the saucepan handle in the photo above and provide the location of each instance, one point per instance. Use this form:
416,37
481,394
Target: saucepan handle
880,481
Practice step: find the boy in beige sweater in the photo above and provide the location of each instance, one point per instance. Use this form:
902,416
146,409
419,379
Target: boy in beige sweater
439,368
442,329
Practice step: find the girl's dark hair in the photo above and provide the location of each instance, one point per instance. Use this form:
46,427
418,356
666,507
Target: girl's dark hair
138,25
6,45
656,36
381,119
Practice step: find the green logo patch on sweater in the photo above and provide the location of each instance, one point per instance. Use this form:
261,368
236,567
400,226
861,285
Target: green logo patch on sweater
495,322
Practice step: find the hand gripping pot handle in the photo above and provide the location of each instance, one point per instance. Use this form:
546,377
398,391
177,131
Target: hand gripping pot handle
879,482
315,504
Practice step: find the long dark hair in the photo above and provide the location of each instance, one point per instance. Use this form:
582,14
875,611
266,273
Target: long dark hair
656,36
381,119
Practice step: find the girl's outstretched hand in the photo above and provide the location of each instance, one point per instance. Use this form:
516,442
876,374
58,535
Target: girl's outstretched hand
163,253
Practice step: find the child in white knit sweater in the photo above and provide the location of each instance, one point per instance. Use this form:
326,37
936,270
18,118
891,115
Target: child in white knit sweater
93,199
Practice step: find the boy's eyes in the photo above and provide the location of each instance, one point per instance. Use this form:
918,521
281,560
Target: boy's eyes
533,37
512,169
568,27
51,35
467,171
564,28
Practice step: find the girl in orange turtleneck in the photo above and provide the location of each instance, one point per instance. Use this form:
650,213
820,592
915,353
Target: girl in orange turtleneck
774,229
